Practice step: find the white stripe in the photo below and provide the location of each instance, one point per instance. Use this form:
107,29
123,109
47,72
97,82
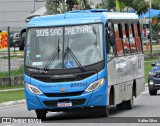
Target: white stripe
145,92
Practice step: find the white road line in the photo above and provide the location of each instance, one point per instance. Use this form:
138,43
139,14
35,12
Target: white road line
145,92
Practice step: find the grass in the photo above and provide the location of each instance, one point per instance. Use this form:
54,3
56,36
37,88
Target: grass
154,51
147,67
12,96
13,72
11,87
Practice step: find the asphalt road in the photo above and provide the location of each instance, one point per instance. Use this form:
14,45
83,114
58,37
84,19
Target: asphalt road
144,106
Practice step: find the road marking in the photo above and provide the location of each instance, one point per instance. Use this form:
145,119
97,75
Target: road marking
145,92
9,106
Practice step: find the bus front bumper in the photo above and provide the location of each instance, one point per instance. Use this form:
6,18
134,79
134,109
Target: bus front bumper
86,99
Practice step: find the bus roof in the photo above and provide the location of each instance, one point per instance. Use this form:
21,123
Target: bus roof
80,17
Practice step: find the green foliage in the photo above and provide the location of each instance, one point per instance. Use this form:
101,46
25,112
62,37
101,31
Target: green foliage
6,87
156,4
147,68
12,96
56,6
156,28
107,4
138,5
60,6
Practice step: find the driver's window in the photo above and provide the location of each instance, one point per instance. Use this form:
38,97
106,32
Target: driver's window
110,40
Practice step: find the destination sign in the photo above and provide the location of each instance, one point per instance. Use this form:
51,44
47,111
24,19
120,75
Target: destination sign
68,31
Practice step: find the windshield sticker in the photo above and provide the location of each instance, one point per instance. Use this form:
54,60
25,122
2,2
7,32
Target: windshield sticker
69,64
68,31
37,63
38,56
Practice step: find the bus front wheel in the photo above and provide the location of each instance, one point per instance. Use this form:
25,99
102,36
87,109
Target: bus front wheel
41,114
103,111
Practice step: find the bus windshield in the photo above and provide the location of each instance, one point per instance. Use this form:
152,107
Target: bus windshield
64,47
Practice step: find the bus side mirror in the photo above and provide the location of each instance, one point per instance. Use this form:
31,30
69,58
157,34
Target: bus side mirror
153,64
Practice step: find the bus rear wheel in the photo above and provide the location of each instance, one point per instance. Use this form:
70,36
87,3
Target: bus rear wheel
129,103
41,114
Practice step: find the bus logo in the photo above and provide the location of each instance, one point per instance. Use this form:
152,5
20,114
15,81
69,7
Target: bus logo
63,89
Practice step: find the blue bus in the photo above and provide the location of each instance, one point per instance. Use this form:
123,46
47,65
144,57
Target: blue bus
83,60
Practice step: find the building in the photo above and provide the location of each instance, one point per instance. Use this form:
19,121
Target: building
14,12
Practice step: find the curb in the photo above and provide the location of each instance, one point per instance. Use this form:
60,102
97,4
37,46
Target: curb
10,103
16,89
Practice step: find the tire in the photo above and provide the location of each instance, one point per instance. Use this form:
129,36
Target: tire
22,41
129,103
152,92
101,111
126,104
121,106
21,47
41,114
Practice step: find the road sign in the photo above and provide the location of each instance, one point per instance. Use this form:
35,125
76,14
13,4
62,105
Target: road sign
3,40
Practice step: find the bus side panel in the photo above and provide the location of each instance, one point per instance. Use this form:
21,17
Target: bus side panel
111,73
140,82
123,79
122,71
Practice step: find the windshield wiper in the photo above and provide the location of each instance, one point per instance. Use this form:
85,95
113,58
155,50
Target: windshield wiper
53,56
68,50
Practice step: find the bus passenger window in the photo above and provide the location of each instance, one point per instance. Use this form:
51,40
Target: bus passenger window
126,44
132,40
119,44
137,37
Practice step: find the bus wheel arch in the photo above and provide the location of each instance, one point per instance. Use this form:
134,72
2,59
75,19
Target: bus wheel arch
129,104
111,96
134,88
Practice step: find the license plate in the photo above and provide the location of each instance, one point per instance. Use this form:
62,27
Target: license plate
64,104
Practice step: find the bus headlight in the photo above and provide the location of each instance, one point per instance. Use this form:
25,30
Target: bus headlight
33,89
94,85
152,73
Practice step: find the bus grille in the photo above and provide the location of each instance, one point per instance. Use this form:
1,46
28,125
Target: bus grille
63,94
74,102
49,79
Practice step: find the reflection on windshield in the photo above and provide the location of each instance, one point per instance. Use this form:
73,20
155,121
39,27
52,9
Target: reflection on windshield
84,41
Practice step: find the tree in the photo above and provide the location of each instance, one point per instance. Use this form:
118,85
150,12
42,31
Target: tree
107,4
156,4
61,6
138,5
56,6
156,27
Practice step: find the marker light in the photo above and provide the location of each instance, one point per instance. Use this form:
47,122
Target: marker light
33,89
151,82
94,85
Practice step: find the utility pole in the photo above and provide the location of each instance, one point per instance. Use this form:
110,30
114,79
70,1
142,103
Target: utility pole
150,26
